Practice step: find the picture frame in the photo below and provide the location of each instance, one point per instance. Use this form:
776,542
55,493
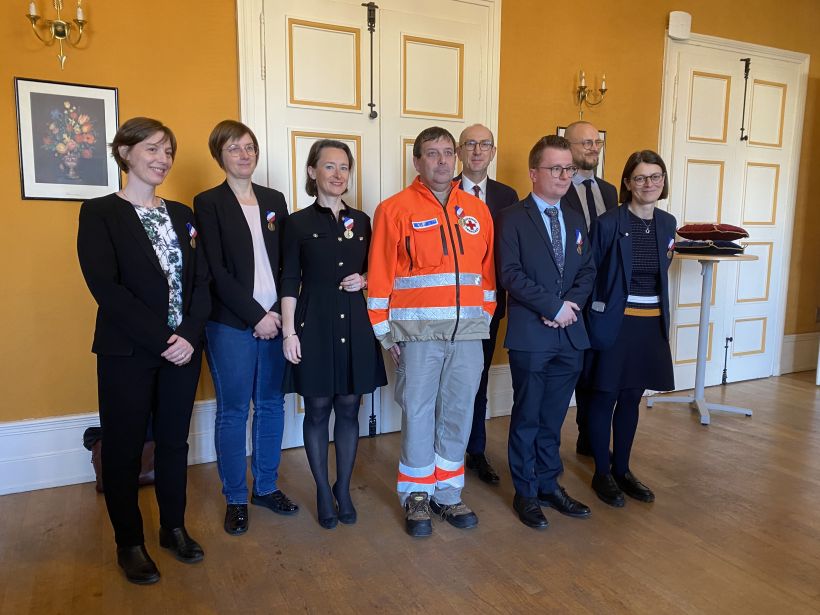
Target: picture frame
599,170
63,132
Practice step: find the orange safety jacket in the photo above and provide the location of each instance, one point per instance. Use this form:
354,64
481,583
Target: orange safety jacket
430,271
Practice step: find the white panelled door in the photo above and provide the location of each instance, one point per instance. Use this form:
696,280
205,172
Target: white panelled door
717,177
305,71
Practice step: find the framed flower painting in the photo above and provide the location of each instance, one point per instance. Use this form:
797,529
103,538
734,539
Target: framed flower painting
63,131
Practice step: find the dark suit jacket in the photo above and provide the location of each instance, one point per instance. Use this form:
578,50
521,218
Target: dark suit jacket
612,251
124,276
228,245
499,197
535,285
608,192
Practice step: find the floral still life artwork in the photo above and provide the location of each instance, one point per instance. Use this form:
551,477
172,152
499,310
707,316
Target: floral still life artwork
64,130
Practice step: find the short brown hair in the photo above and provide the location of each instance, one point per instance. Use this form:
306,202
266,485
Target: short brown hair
313,160
228,130
136,130
649,157
434,133
553,141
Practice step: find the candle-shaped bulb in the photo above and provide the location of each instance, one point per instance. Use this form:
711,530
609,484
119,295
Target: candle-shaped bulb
603,81
32,9
79,10
583,79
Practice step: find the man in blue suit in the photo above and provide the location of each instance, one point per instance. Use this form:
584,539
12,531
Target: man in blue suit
547,268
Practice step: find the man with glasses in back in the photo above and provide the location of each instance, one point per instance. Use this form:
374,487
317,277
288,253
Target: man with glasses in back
476,150
547,269
590,196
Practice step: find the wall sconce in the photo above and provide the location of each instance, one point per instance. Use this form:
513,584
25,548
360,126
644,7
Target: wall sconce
57,29
588,97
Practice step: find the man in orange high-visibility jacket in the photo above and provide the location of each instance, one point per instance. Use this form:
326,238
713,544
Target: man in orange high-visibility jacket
431,283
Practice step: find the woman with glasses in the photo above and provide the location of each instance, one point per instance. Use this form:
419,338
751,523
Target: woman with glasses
628,322
240,227
333,356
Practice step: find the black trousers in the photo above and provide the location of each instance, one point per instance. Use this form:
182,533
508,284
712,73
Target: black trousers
542,388
478,434
133,392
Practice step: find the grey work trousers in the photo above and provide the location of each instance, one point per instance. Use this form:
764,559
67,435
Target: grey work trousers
436,385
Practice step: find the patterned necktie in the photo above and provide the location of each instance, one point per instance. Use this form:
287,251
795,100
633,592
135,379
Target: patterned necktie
555,231
477,190
593,213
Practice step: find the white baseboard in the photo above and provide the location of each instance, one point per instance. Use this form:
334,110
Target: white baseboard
44,453
799,352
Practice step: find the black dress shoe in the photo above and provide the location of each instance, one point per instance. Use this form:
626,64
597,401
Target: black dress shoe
277,501
607,490
481,464
236,519
530,512
184,548
634,488
349,516
138,566
560,501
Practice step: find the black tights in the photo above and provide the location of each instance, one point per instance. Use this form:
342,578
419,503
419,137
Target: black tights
613,412
346,439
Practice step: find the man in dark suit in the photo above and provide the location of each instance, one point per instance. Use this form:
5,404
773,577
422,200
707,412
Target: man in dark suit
589,196
547,268
476,150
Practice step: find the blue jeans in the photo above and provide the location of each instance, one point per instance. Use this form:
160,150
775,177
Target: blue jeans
245,368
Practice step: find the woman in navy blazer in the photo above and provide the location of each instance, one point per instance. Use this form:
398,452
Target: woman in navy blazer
628,322
139,256
240,223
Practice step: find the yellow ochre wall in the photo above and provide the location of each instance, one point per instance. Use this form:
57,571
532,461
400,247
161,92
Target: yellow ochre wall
177,61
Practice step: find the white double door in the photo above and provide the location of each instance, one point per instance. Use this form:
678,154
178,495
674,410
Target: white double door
306,72
717,177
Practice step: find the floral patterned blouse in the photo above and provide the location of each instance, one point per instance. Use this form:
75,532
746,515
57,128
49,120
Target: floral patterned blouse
158,227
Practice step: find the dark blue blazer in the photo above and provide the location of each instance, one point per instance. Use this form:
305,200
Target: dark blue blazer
533,281
499,197
608,192
612,250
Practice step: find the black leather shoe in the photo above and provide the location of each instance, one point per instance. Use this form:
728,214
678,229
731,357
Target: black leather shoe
236,519
277,501
634,488
607,490
349,516
530,512
481,464
184,548
138,566
417,520
560,501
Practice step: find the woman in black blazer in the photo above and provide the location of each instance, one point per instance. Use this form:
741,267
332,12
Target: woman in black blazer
628,322
240,224
139,256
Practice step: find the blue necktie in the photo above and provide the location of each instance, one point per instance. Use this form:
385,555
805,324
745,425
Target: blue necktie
555,231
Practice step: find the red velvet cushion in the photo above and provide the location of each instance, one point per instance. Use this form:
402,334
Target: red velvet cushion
704,230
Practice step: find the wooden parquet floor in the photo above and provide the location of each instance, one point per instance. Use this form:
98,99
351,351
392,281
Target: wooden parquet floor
735,529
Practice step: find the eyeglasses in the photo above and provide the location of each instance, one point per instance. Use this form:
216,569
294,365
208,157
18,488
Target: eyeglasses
557,170
589,143
655,178
235,151
471,145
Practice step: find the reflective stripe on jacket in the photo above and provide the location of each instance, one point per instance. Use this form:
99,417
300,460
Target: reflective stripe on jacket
429,276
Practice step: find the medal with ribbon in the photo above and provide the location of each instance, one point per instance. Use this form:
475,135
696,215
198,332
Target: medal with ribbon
271,218
348,222
460,215
579,241
670,248
192,234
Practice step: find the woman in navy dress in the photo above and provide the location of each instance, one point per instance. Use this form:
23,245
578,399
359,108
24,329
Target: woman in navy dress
628,322
333,356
